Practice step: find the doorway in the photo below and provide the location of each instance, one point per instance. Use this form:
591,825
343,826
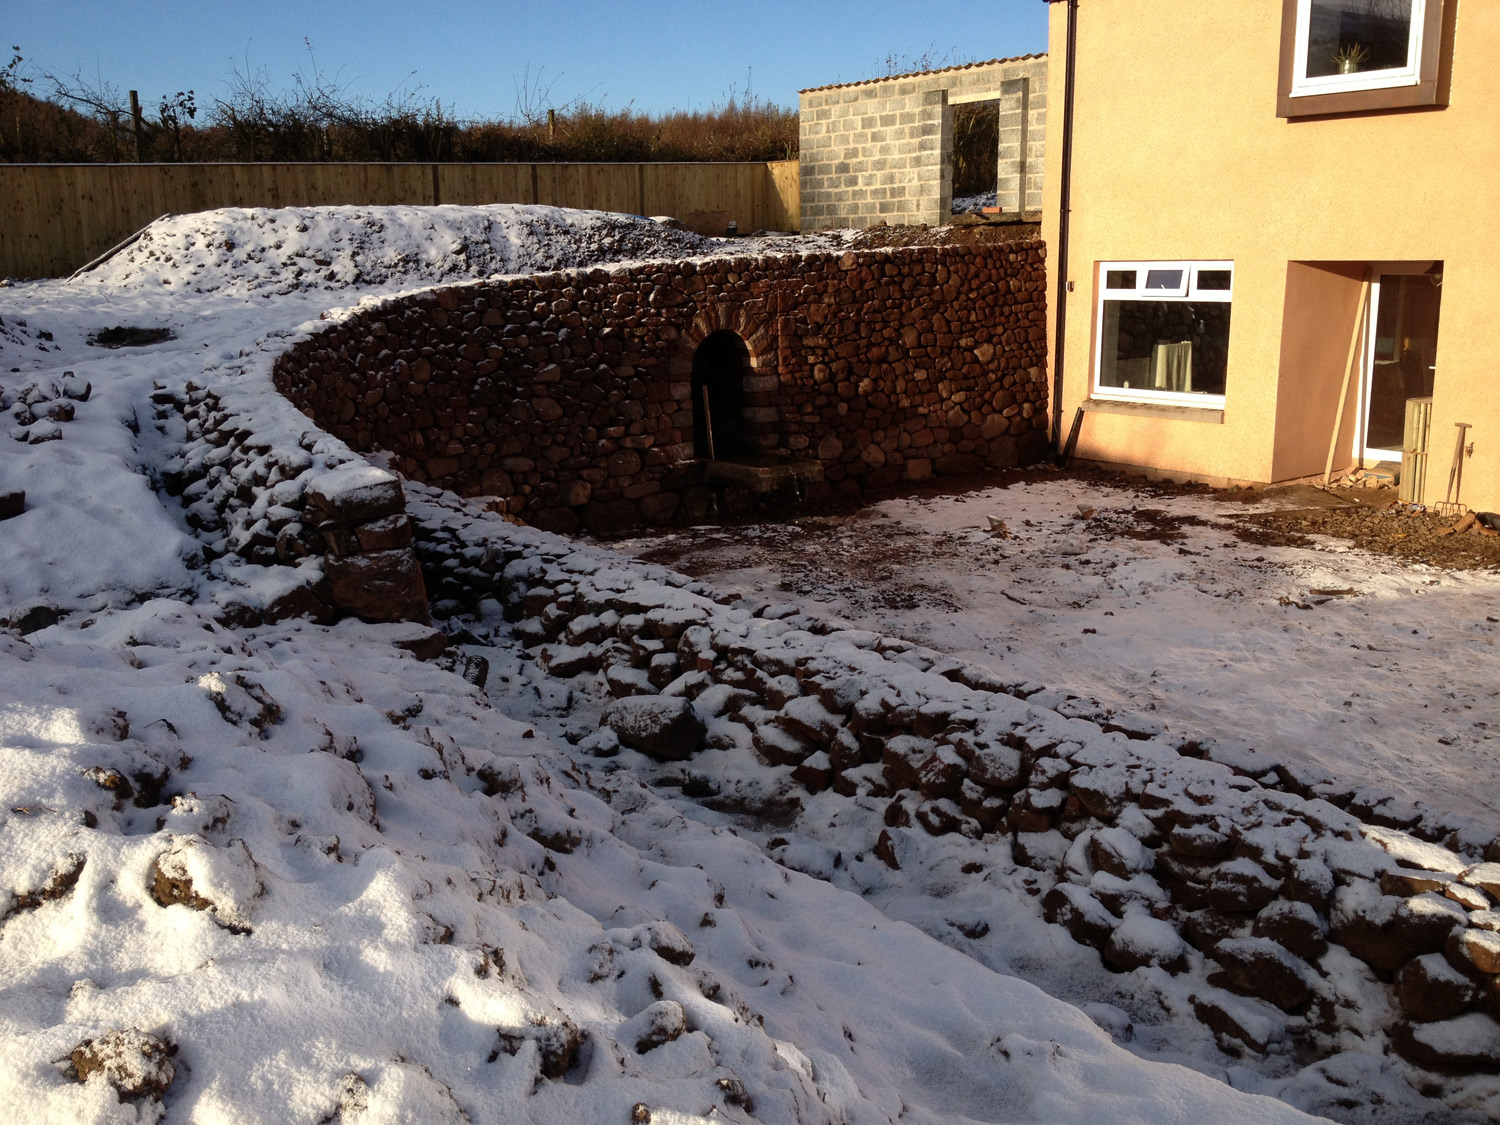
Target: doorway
719,368
1401,357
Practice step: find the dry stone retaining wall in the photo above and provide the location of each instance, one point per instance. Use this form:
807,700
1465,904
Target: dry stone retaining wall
568,396
1304,911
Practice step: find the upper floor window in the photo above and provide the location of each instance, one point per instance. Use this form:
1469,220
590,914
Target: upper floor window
1357,45
1342,56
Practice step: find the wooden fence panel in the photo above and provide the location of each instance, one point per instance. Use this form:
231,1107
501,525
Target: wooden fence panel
598,187
704,197
475,184
784,195
56,217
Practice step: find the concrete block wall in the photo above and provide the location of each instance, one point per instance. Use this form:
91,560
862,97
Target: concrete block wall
881,151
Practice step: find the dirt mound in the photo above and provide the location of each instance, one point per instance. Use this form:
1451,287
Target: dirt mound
964,232
254,250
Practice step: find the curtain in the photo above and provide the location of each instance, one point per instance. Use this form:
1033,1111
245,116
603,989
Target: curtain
1172,366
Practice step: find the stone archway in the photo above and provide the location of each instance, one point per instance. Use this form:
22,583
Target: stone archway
727,352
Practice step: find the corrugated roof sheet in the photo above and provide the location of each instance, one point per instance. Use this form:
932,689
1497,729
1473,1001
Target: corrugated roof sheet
915,73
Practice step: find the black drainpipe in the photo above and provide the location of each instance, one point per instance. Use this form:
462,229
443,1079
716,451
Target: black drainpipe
1064,209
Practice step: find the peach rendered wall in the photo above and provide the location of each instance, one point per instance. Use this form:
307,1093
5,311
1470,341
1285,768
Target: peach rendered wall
1178,154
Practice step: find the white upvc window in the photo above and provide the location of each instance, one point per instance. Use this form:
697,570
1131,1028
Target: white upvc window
1348,45
1163,332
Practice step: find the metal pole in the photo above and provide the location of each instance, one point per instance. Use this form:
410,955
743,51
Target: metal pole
1064,210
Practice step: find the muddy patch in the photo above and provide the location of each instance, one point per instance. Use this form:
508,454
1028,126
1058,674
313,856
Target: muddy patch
870,565
1390,529
124,336
1146,524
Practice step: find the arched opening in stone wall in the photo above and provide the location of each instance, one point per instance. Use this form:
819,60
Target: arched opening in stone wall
720,365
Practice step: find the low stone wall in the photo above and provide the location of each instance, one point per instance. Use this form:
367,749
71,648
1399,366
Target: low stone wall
568,396
1306,913
334,526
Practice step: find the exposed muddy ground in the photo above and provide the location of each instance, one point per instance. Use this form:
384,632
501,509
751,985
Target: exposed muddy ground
870,565
1374,522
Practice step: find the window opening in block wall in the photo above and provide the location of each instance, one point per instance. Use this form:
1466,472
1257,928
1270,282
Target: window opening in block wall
1164,332
976,156
720,365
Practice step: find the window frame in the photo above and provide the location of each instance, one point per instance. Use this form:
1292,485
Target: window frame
1408,75
1187,293
1416,85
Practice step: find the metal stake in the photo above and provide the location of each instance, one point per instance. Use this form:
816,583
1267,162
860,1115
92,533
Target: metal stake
708,424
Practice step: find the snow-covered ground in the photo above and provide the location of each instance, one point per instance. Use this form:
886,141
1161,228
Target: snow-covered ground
1389,682
964,204
262,250
394,898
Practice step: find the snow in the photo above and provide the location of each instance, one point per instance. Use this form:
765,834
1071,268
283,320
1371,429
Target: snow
966,203
1470,1035
350,485
343,884
1149,938
245,250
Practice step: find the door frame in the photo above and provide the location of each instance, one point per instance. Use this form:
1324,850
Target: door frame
1365,456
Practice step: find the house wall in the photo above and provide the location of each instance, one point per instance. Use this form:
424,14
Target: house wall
882,150
1178,154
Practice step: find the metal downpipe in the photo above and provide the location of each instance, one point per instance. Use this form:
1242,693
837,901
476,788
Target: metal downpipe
1065,206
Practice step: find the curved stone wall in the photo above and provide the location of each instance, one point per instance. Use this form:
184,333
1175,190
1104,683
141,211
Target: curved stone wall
567,396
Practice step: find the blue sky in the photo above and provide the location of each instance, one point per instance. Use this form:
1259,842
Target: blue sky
476,55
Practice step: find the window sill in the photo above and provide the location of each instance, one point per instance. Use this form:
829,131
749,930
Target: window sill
1214,416
1422,95
1433,70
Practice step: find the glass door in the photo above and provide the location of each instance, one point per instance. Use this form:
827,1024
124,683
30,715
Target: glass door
1401,357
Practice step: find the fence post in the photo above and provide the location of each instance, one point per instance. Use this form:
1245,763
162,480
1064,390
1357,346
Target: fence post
135,122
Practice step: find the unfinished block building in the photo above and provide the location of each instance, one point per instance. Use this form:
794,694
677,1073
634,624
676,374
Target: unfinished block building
882,150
